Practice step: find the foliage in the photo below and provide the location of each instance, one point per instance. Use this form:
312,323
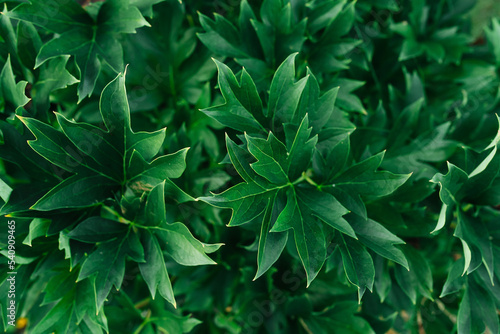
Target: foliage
354,142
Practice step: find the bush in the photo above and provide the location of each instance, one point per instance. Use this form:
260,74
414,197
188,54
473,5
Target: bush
354,142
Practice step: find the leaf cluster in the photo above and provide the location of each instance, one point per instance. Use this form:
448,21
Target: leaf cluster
273,166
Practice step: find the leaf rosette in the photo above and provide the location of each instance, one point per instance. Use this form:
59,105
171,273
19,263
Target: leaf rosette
297,175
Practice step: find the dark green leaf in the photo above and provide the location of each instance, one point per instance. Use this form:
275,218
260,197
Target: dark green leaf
477,311
154,269
363,179
308,233
378,238
79,35
11,92
97,229
180,244
418,279
358,264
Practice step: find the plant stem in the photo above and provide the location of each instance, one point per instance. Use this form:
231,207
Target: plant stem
309,180
144,323
142,303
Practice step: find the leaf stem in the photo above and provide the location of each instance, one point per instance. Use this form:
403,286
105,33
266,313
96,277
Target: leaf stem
309,180
300,179
306,175
144,323
304,326
142,303
117,215
442,308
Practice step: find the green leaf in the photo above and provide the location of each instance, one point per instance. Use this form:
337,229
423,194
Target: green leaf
154,270
154,211
5,190
491,36
145,6
319,109
76,192
485,163
103,160
38,228
404,125
172,323
455,280
9,41
160,169
341,24
308,233
247,31
358,264
68,15
300,149
242,109
346,99
450,193
107,264
442,218
240,158
323,14
97,229
256,200
477,311
416,280
75,310
59,317
328,209
242,92
53,76
180,244
430,146
281,170
28,43
53,145
275,13
79,35
12,92
220,36
331,156
476,242
383,281
340,316
271,155
363,179
59,285
247,200
285,92
378,238
271,244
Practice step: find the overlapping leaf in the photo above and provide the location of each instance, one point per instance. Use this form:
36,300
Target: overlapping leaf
12,94
289,102
74,307
118,241
260,45
269,181
456,185
102,160
279,191
89,39
439,43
